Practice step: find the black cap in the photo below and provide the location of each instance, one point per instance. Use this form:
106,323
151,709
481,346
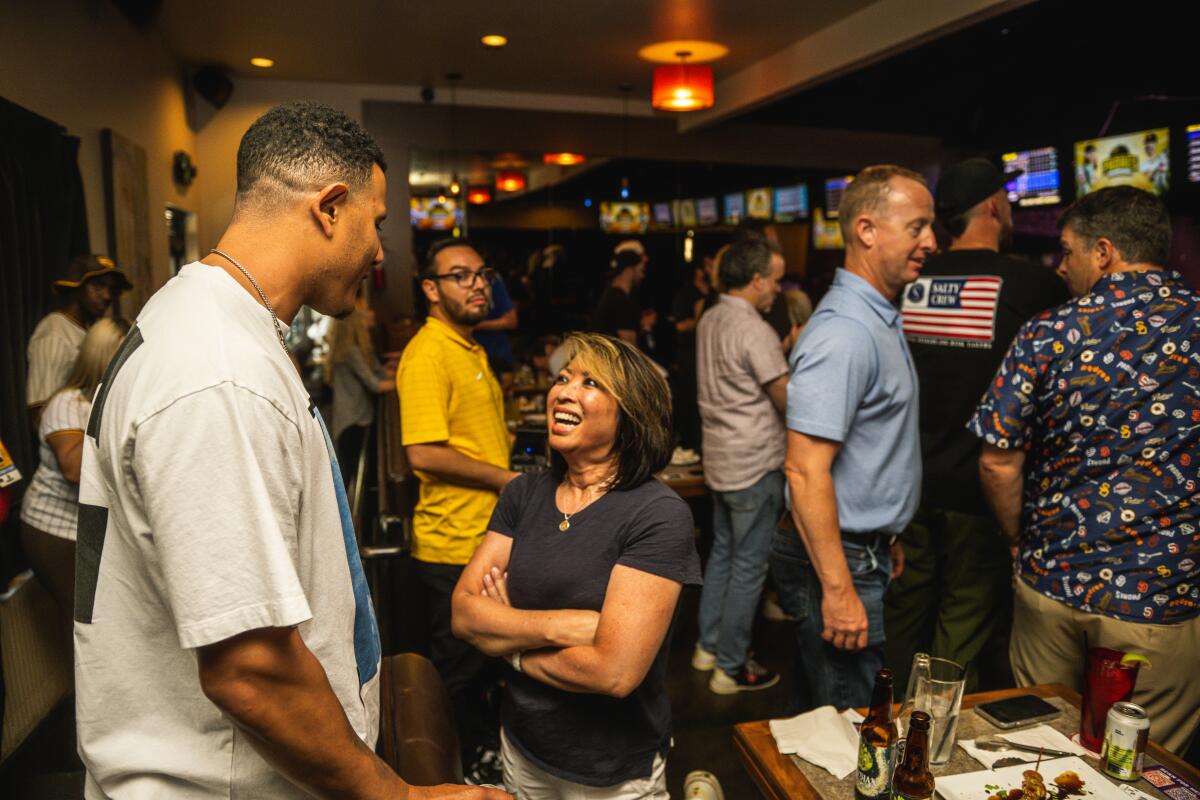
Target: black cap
624,259
967,184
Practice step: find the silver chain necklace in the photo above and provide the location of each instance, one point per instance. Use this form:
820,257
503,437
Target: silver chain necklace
263,297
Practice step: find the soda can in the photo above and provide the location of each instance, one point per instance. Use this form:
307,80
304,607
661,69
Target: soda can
1125,735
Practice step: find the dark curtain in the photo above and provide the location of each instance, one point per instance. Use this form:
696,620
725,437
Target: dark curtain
43,224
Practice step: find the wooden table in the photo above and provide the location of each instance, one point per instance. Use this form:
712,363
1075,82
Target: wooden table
688,482
778,777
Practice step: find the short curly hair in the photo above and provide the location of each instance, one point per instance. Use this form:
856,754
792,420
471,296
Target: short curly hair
303,146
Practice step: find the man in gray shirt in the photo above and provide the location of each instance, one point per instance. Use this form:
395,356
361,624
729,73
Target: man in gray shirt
742,391
853,455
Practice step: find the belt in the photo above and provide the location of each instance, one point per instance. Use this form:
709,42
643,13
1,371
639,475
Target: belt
868,539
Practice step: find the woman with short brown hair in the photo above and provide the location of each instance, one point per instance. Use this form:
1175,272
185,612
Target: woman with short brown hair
578,580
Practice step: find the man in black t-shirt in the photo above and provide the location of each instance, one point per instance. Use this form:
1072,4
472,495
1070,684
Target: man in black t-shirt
617,313
686,307
954,599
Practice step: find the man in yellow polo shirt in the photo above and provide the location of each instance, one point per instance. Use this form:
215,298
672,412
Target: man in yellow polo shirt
452,428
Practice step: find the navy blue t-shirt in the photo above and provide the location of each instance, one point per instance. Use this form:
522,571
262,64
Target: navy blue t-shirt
591,739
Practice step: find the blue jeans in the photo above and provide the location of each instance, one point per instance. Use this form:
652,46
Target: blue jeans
835,677
743,523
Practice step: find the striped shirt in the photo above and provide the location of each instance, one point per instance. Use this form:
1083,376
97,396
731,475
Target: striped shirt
52,351
51,502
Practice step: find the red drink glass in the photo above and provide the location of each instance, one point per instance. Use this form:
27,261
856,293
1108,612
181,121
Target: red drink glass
1107,681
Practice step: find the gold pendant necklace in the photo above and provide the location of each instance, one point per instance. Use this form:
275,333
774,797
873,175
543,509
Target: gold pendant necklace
566,523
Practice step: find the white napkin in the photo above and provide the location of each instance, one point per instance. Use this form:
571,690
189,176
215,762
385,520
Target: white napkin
1038,736
822,737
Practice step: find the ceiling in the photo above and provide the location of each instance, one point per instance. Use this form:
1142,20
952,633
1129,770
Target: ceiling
1044,74
565,47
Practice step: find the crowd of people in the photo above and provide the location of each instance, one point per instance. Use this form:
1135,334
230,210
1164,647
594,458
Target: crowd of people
955,452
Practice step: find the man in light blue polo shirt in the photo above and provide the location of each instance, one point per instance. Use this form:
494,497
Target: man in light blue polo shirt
853,460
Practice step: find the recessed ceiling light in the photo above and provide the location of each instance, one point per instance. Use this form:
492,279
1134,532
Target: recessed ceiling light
494,40
259,61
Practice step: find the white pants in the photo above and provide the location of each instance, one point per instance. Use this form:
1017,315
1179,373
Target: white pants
529,782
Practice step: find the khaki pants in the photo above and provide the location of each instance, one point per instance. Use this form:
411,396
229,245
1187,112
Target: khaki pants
527,781
1048,647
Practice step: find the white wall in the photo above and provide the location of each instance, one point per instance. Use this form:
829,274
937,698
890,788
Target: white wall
84,66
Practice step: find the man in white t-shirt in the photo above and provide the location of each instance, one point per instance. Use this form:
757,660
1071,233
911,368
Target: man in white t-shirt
224,637
88,288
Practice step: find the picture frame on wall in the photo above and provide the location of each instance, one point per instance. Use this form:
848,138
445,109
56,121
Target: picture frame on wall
127,215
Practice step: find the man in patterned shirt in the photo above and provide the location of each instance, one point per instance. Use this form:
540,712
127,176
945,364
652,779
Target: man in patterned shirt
1091,444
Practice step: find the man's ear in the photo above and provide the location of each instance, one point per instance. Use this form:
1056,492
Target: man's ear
328,205
430,288
864,228
1106,254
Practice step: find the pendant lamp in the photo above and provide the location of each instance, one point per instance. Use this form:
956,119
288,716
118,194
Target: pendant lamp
682,86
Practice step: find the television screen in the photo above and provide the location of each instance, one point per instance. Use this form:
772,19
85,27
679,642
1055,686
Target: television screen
827,234
1039,185
685,213
1193,143
735,208
758,203
791,203
706,211
662,215
624,217
833,194
1132,159
435,214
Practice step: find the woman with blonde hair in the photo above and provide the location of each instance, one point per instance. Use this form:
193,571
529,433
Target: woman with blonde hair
355,376
50,508
577,582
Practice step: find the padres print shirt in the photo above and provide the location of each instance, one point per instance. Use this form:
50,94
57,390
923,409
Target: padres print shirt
1104,394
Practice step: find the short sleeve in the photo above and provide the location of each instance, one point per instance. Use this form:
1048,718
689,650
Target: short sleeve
832,366
50,361
65,413
662,541
764,355
222,511
424,399
1004,415
501,302
507,514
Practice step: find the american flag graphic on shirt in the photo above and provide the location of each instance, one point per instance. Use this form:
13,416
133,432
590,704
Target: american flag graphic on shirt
952,310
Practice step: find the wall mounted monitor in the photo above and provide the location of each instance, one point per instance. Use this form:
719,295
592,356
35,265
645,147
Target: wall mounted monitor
758,203
685,213
706,211
735,208
834,187
791,202
435,214
827,234
1193,153
1138,159
1039,185
662,215
624,217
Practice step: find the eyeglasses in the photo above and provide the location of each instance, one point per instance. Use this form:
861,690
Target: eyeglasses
465,278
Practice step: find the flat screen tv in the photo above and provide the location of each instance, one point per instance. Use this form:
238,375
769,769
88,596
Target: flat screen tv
662,215
1193,151
435,214
1138,159
616,217
758,203
1039,185
833,194
706,211
791,202
735,208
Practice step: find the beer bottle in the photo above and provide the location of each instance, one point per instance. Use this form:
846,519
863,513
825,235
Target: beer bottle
913,780
877,743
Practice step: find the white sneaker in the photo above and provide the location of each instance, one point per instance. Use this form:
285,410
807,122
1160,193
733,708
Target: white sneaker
701,785
703,660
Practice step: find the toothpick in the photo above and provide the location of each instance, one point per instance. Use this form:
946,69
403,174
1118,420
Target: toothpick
1038,767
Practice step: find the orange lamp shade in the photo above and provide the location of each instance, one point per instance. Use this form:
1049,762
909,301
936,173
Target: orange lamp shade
564,159
510,181
479,195
682,87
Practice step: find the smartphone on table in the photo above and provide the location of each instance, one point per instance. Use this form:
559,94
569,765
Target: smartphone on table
1024,709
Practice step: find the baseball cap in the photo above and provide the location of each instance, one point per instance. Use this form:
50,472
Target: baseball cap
85,267
968,183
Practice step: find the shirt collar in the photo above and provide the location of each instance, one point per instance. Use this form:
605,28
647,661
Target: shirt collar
859,286
740,303
1137,279
445,330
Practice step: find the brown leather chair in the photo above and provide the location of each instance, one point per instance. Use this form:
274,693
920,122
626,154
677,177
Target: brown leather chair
416,726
